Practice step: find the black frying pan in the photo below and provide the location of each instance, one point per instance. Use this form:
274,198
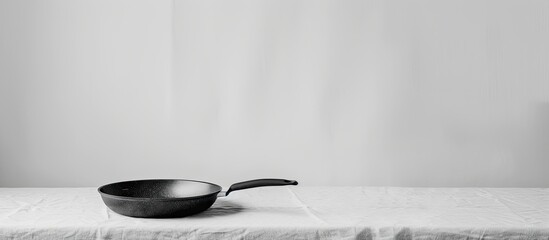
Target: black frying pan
168,198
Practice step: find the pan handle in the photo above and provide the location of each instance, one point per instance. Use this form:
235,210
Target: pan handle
260,183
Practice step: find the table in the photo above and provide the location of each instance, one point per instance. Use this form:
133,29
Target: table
289,213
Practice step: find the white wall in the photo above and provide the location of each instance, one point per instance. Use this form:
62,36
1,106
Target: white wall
406,93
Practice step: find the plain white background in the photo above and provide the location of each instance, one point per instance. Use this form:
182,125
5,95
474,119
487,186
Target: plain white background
400,93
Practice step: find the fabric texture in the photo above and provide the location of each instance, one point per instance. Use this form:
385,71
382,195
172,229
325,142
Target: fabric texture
289,213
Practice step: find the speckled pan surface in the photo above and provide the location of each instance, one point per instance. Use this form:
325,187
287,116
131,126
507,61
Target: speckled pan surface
159,198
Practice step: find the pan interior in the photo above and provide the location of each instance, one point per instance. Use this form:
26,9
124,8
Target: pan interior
160,189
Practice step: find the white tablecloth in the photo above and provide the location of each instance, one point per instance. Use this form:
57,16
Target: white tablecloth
289,213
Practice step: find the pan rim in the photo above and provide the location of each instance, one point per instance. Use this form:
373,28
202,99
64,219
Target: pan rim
99,189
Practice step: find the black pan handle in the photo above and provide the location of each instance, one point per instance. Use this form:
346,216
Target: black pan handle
260,183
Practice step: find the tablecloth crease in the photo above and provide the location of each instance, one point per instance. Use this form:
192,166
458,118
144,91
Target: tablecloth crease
306,208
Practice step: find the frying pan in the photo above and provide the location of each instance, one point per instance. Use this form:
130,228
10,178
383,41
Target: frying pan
169,198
